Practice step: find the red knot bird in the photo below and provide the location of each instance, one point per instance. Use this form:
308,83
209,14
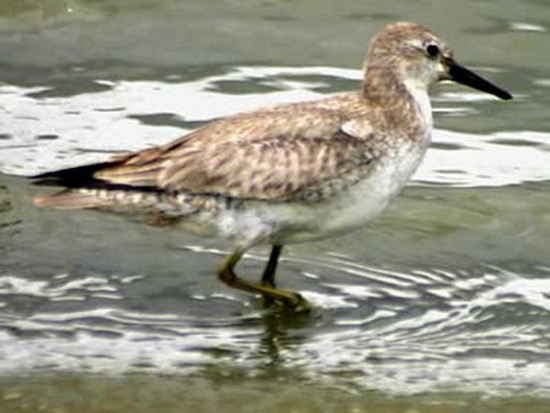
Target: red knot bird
289,173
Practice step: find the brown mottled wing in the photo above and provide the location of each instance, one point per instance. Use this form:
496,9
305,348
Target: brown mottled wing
262,155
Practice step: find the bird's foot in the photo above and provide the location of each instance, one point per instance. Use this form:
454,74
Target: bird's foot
292,302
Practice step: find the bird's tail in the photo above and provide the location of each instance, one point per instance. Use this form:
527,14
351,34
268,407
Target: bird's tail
80,199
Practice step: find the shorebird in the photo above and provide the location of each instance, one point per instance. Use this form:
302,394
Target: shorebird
289,173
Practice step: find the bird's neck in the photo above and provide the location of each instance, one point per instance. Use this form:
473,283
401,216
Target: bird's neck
419,94
405,102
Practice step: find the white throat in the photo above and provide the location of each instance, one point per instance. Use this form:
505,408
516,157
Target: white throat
419,92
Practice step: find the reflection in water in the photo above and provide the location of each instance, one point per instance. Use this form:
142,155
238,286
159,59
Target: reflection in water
277,338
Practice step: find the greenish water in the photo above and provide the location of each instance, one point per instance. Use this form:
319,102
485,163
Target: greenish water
440,305
218,393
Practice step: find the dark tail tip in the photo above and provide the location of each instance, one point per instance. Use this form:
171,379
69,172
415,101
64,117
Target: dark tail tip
80,176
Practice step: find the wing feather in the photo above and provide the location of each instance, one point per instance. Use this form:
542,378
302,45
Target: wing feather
273,155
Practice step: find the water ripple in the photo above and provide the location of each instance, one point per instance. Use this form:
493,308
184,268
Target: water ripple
409,330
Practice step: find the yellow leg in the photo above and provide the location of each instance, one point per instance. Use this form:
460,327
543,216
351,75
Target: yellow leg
287,298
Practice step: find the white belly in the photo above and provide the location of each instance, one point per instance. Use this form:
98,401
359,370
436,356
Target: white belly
362,202
295,222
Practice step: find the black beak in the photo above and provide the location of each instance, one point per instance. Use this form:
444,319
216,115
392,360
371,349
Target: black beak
460,74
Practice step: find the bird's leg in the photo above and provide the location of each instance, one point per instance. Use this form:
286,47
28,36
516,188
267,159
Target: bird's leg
288,299
268,277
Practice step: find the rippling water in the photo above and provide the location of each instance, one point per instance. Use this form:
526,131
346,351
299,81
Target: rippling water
449,291
400,332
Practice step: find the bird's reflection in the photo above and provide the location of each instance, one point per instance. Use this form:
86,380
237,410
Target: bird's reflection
282,331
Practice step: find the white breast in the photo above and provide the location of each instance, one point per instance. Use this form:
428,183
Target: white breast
355,206
366,200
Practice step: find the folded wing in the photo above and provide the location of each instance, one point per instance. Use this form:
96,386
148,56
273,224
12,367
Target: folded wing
270,155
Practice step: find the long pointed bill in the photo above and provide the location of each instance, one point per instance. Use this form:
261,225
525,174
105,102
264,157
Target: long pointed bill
460,74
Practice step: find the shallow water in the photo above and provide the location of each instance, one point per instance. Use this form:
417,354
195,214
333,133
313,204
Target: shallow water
442,304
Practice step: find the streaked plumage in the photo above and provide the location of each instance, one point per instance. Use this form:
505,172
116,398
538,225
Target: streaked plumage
287,173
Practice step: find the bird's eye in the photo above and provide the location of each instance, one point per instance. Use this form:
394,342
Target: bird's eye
432,50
